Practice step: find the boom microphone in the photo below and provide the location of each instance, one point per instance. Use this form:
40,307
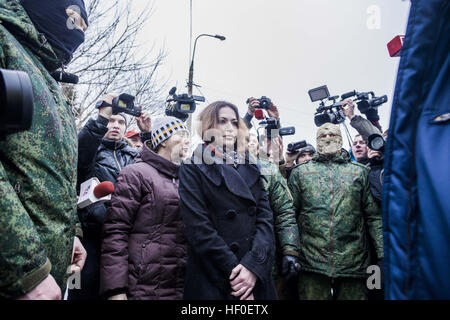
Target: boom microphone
103,189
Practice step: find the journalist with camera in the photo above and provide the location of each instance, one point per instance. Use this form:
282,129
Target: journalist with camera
368,147
38,148
265,148
103,153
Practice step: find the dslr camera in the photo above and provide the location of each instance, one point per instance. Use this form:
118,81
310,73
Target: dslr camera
181,105
123,103
264,102
326,113
16,102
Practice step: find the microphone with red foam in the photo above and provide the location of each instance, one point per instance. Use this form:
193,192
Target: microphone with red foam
103,189
93,191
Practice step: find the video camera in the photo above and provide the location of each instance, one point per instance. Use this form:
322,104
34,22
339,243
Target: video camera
296,146
274,124
367,103
180,106
123,103
16,102
332,113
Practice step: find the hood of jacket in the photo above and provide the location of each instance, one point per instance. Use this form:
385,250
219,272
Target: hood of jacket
159,163
16,20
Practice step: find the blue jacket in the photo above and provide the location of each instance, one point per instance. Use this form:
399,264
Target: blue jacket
416,201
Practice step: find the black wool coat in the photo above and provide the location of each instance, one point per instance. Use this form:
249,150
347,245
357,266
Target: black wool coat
228,221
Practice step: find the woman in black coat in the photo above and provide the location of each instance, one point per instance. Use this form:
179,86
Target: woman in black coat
227,217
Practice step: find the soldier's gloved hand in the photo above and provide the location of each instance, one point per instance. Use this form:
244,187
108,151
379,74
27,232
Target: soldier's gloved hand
290,267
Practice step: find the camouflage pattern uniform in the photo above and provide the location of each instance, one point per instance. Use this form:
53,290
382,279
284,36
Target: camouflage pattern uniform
286,229
37,168
333,202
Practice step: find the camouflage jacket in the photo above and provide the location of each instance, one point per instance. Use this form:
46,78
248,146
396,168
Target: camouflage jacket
337,216
38,167
286,229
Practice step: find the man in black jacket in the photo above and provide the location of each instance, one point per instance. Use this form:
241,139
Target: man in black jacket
103,152
375,161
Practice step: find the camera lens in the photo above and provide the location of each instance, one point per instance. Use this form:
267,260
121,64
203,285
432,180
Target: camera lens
323,118
377,143
16,101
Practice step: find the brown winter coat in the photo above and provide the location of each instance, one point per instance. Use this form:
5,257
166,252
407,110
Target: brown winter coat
144,248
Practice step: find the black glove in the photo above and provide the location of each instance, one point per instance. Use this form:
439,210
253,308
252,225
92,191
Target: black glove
290,267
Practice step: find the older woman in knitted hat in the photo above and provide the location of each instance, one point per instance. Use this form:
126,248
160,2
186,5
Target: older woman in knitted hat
143,248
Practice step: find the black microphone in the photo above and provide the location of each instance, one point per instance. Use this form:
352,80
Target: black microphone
348,95
65,77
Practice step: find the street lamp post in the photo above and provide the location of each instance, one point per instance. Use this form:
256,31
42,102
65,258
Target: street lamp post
191,71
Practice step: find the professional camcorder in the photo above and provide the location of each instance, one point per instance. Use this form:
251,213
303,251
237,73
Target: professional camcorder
123,103
367,103
264,103
16,102
332,113
296,146
181,105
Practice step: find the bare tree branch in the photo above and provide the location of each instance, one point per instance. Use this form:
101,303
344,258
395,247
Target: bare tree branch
112,61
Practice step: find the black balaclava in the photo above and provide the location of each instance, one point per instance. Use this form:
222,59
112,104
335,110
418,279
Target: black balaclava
50,18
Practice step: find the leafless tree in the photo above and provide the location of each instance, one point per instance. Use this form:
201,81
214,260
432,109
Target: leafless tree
111,60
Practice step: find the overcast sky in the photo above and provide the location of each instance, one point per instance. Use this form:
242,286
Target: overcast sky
281,49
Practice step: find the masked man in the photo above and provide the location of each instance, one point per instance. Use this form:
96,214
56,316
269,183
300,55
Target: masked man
333,203
38,167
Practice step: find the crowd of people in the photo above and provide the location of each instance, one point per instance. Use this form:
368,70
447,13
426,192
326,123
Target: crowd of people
234,219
